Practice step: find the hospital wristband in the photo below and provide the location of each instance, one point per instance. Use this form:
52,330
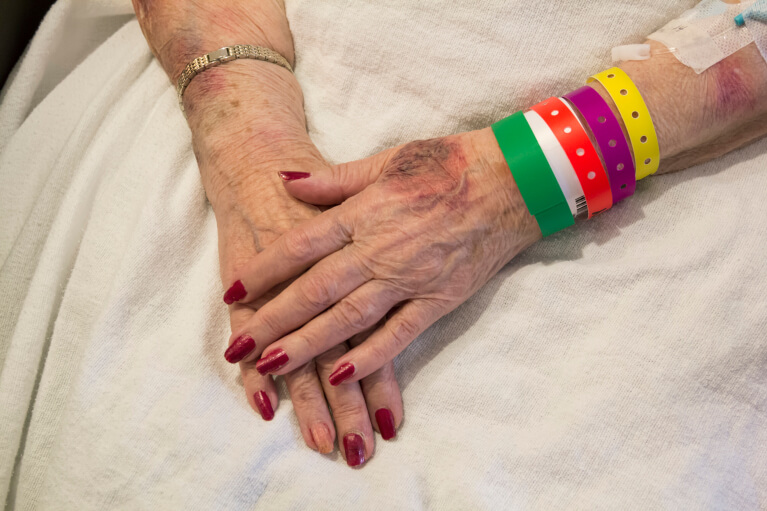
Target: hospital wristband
610,139
582,154
531,171
559,163
636,118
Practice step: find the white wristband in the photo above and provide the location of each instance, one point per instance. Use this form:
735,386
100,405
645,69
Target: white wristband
559,163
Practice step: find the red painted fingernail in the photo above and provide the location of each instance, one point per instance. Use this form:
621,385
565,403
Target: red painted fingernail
235,293
293,176
354,447
385,420
239,349
264,405
272,361
341,374
321,436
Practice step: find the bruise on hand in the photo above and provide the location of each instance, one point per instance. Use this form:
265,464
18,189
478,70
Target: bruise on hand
413,156
430,172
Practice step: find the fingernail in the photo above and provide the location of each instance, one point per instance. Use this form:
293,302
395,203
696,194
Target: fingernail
341,374
322,438
272,361
385,420
293,176
354,447
235,293
239,349
264,405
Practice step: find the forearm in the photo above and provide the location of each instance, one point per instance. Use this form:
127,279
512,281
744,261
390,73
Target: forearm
245,114
696,117
699,117
180,30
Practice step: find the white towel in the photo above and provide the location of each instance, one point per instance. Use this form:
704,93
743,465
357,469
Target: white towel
619,364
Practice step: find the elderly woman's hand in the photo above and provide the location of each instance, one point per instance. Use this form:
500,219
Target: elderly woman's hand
247,122
240,148
422,228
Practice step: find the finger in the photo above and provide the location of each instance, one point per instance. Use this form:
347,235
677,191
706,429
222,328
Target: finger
382,396
386,342
337,183
232,240
357,440
289,256
260,391
363,308
323,285
311,409
239,345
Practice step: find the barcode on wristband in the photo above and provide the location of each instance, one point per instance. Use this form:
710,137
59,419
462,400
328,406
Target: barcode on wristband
581,208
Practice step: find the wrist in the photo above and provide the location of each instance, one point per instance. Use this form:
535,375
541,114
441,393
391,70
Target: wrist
247,123
226,99
696,116
519,228
179,31
233,168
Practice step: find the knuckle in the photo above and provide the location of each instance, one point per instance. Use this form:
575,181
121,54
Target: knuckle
269,322
308,342
306,392
349,411
303,386
351,314
382,352
403,331
318,293
298,245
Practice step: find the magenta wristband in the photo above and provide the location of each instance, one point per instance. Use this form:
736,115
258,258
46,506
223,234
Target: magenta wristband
610,139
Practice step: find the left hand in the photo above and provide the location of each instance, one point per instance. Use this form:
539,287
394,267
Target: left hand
424,227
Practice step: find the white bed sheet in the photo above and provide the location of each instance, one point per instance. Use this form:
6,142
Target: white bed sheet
620,364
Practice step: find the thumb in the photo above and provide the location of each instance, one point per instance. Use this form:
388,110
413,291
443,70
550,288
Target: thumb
334,184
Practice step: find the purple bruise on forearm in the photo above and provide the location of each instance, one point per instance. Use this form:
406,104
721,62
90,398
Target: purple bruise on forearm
736,90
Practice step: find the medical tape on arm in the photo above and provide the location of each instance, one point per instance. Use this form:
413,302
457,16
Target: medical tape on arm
706,34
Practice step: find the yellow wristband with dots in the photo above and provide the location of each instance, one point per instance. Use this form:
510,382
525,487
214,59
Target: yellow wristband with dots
636,118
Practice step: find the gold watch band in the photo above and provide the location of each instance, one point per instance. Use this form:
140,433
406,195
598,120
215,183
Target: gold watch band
225,54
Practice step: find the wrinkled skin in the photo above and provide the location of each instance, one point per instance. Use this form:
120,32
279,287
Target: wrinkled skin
425,225
247,123
252,210
422,228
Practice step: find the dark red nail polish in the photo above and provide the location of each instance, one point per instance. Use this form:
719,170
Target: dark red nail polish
239,349
235,293
273,361
354,447
264,405
293,176
341,374
385,420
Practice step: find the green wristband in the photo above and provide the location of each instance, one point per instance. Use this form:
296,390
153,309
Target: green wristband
535,179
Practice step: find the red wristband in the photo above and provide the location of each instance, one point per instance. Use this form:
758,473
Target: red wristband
581,152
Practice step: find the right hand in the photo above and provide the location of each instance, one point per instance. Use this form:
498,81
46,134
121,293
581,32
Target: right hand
244,133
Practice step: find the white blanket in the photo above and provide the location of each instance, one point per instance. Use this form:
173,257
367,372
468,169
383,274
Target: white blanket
619,364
